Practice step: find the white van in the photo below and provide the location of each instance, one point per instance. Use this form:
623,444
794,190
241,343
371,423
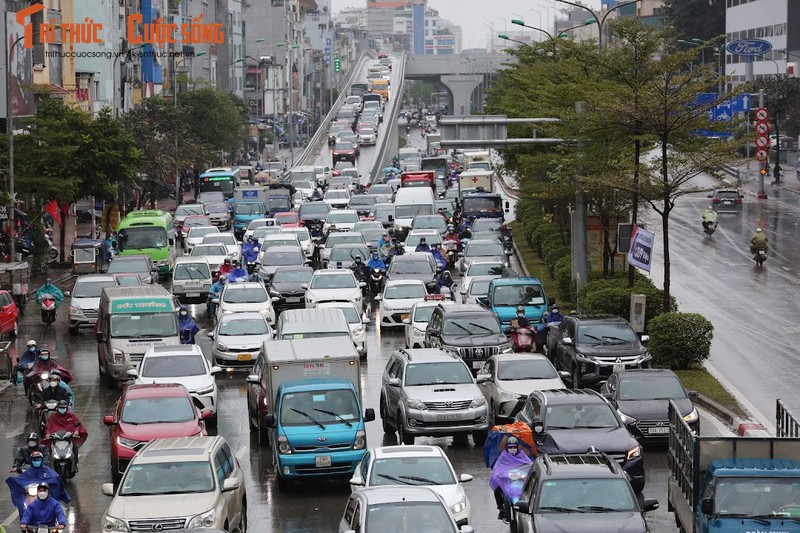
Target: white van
315,323
410,202
191,279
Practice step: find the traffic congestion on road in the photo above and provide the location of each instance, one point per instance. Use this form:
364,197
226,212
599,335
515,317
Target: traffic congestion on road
329,349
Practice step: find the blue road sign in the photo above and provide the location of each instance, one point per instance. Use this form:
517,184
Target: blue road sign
722,112
741,103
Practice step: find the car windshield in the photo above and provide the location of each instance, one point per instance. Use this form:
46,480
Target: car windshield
90,289
196,222
423,314
487,224
123,265
584,416
141,238
411,471
362,201
404,290
234,327
444,373
383,213
413,239
412,210
143,325
334,281
650,388
479,287
586,496
348,253
170,409
606,334
471,325
344,145
433,222
414,516
203,250
302,184
319,408
367,131
289,241
173,366
172,477
190,271
188,210
757,496
292,276
217,208
337,218
303,175
200,232
343,238
249,209
283,258
484,249
350,314
372,235
381,189
337,194
255,224
411,267
250,295
286,218
485,269
301,233
221,238
518,294
262,232
518,370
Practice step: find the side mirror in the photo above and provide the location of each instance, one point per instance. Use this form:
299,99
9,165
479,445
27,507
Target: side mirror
369,414
230,484
563,374
464,478
132,373
522,507
650,504
100,337
108,420
482,378
406,321
707,506
645,338
67,294
466,529
566,341
252,378
304,286
215,370
394,382
210,334
269,421
275,299
362,284
356,481
107,489
692,393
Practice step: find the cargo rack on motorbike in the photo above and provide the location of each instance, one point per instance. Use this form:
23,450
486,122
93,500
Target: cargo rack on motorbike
15,280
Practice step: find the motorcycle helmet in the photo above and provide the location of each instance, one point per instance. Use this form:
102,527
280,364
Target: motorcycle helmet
31,343
758,230
54,379
357,259
237,264
33,440
446,274
63,405
44,355
512,445
48,281
43,489
37,459
375,255
227,261
450,228
520,311
423,241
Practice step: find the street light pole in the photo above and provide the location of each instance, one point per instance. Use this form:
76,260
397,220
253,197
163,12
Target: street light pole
520,22
600,21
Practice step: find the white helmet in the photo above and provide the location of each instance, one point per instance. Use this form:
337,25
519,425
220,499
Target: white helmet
758,230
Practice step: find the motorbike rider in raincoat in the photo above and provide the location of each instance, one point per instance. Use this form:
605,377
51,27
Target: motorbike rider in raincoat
250,250
226,267
49,288
43,511
441,260
45,365
25,452
65,420
237,273
709,217
186,323
758,241
376,262
25,360
37,473
508,477
422,246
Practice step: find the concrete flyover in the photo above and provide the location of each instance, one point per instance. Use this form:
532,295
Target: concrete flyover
462,74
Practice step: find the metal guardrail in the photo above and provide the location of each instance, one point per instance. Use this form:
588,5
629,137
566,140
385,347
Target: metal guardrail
731,171
786,425
314,146
382,160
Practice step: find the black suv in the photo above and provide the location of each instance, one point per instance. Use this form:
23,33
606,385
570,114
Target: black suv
413,266
470,331
591,347
726,201
589,492
573,421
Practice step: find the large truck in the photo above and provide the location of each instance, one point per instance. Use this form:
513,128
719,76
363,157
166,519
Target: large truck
735,484
249,203
437,164
470,181
317,428
477,160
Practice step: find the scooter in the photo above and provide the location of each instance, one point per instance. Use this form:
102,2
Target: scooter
451,247
376,281
186,336
522,340
36,386
759,256
44,412
710,228
61,454
48,307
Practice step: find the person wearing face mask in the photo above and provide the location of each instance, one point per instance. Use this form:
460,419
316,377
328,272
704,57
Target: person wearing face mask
71,396
53,391
521,321
37,473
44,510
25,451
187,326
237,273
25,360
508,477
46,364
65,420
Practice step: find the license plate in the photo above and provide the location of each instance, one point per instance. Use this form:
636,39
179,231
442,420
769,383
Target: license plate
403,317
322,461
477,364
193,295
659,431
728,202
244,357
451,416
619,368
292,300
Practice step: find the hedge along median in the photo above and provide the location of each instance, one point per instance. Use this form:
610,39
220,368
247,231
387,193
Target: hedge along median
679,341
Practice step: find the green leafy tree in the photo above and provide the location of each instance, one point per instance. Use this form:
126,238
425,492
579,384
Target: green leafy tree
782,98
696,19
214,117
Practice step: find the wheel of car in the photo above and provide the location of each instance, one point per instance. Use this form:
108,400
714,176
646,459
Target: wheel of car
15,330
243,523
100,367
402,437
252,425
576,378
479,437
282,482
212,422
263,433
387,426
491,415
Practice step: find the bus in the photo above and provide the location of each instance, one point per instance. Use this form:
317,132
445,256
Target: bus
222,180
151,233
381,87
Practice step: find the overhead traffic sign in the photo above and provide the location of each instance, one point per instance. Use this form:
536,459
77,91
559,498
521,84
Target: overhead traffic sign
761,155
761,114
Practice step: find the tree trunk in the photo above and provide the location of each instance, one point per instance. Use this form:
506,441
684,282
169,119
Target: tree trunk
665,224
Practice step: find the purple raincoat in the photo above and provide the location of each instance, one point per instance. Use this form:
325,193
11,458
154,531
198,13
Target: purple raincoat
509,473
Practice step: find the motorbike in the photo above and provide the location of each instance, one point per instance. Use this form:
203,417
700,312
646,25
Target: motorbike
19,373
522,340
61,454
451,247
211,304
41,528
376,281
44,412
449,292
48,307
36,385
186,336
759,256
710,229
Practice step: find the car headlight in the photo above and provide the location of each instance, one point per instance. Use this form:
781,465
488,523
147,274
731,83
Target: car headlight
419,405
358,331
692,417
222,347
207,390
625,418
131,444
504,346
477,402
460,506
206,519
419,331
114,524
633,453
283,445
361,440
117,357
506,395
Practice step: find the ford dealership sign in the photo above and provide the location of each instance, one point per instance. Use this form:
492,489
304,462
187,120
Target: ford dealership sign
749,47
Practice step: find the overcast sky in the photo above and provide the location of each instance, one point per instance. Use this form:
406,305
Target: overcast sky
475,16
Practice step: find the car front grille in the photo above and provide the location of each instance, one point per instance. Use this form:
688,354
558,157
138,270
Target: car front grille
324,447
136,357
478,352
167,524
90,313
618,457
458,405
335,468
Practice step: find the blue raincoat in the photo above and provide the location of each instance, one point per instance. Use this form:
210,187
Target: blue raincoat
43,474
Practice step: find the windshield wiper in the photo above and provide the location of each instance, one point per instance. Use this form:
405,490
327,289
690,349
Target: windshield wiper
776,516
599,509
462,327
392,478
598,339
308,416
336,415
484,328
560,509
744,516
421,479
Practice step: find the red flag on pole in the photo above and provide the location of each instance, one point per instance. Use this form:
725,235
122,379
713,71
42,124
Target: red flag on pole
53,210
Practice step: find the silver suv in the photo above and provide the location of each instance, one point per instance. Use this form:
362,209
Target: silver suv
196,483
431,392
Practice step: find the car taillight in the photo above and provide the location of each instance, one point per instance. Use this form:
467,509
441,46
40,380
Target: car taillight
715,200
737,201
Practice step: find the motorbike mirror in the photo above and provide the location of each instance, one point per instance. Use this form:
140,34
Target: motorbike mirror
108,420
67,294
132,373
107,489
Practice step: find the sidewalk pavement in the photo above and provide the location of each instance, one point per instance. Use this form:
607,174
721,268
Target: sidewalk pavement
750,177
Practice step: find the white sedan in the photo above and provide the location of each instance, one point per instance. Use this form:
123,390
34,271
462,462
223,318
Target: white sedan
244,296
333,286
215,254
304,237
367,136
418,319
356,320
227,240
397,299
340,220
196,235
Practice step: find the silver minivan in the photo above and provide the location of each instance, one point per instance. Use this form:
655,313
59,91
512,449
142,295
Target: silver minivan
84,301
311,323
191,279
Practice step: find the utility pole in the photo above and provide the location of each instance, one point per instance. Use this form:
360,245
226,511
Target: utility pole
761,192
580,263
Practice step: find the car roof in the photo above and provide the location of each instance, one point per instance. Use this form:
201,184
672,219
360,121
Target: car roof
175,349
571,396
402,493
285,248
590,465
466,309
340,211
244,285
91,278
196,448
598,318
520,357
481,242
279,236
486,262
417,450
483,277
332,272
393,282
428,355
411,256
156,390
423,231
241,316
648,372
432,303
291,268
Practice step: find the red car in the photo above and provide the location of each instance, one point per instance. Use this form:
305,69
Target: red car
344,151
288,219
8,314
147,412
